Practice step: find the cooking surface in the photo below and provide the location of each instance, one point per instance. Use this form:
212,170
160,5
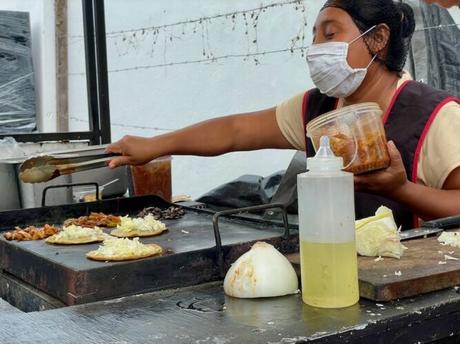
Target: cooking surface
203,314
419,267
65,273
193,232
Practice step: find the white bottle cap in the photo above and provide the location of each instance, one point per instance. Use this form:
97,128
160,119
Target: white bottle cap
325,160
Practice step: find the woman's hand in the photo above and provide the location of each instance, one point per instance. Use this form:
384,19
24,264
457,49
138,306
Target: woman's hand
134,150
386,182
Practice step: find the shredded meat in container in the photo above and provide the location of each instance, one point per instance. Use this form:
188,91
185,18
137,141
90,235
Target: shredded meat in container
371,152
356,134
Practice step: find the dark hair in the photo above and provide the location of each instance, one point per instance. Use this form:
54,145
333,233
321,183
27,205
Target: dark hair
398,16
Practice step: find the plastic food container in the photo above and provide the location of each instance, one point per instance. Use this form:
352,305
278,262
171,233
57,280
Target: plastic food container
356,134
153,178
85,194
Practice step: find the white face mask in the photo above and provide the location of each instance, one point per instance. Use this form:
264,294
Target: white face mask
330,71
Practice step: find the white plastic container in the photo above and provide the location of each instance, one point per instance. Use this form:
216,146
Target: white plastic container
328,257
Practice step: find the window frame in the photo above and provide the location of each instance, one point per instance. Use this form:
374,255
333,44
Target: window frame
96,81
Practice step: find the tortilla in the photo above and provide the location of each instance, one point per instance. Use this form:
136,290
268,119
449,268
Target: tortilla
155,250
55,239
120,233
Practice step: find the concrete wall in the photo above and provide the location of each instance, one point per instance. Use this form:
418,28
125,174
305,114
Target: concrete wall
176,96
455,12
151,101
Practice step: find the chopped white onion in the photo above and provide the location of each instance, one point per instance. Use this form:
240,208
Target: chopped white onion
450,238
379,236
261,272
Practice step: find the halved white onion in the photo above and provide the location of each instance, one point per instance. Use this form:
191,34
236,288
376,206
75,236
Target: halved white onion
261,272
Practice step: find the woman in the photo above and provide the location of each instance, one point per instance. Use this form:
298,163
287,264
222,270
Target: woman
357,56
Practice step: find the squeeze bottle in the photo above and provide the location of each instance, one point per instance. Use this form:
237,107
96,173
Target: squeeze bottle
328,259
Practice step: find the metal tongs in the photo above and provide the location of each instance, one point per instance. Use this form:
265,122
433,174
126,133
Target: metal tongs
46,167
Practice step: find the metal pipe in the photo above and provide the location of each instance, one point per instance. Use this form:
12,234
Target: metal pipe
40,137
102,73
91,70
62,64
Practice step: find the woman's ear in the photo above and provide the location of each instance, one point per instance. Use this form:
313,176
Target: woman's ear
378,40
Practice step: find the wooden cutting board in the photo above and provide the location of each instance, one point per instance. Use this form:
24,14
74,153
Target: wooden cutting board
420,270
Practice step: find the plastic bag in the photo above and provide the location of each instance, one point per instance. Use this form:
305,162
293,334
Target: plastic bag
9,148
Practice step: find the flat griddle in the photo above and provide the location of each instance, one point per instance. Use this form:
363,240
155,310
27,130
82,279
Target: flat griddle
190,258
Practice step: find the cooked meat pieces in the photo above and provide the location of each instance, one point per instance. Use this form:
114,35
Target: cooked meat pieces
31,233
95,220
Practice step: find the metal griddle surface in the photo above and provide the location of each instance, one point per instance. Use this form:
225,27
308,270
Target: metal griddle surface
65,273
193,232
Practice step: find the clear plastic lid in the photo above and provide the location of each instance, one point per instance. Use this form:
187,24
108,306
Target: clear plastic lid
324,160
344,111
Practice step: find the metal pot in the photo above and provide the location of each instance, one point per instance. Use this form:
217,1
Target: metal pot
17,194
9,187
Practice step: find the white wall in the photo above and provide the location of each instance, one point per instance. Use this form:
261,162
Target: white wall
455,12
177,96
78,98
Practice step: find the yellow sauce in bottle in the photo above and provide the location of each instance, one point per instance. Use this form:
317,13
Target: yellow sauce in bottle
329,274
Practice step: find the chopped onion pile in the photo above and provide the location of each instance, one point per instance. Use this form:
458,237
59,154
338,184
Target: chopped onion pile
122,247
147,223
378,235
450,238
77,232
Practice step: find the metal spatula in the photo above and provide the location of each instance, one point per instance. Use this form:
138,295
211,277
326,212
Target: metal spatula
46,167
